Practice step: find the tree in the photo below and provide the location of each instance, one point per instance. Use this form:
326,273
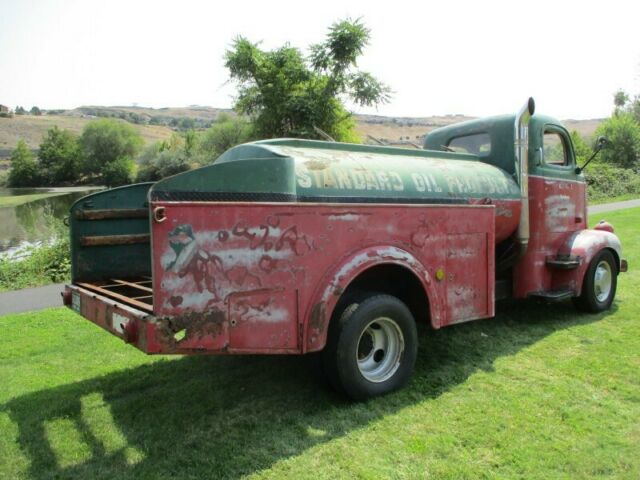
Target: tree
287,94
225,133
166,158
106,141
620,99
35,111
60,158
20,110
118,172
24,171
580,147
623,133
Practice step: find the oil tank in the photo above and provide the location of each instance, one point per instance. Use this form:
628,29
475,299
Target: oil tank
291,170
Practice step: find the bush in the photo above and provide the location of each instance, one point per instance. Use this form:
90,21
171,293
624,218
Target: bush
106,141
225,133
45,264
607,181
623,133
166,158
118,172
24,171
59,157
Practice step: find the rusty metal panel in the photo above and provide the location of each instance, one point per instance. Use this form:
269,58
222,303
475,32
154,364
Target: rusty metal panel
250,277
557,209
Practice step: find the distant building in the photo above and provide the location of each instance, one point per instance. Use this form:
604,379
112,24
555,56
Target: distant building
4,109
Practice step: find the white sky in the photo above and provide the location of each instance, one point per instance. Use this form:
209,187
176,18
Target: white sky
439,57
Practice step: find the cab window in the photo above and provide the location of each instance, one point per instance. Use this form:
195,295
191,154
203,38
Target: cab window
475,144
555,149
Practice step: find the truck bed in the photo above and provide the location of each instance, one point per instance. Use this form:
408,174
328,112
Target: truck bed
135,292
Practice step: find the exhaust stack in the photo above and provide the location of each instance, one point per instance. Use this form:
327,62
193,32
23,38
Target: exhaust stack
522,167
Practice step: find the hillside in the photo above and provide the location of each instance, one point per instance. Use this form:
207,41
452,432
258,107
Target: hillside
158,123
32,128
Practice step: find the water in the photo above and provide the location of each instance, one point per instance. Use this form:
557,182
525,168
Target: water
30,223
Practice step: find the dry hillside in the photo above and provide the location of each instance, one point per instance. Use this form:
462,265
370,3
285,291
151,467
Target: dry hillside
389,129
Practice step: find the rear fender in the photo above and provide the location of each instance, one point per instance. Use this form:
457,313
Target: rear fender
586,244
338,278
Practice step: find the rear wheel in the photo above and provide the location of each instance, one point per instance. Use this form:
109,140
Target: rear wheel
599,284
372,347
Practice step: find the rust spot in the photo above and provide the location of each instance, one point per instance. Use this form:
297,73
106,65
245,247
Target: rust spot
175,301
223,235
267,263
317,320
338,291
195,324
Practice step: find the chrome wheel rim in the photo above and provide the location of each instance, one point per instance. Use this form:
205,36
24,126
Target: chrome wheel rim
379,349
602,281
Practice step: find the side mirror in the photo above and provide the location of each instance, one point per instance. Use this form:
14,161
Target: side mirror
601,143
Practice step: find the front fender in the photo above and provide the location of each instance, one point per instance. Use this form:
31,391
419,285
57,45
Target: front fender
586,244
341,274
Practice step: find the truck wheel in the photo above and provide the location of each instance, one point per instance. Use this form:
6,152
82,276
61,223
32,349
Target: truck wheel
372,347
599,284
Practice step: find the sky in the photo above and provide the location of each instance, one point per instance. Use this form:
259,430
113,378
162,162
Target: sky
439,57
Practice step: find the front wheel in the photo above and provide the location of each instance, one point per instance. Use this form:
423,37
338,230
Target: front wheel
599,284
372,347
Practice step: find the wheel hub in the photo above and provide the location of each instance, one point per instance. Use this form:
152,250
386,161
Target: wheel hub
602,281
379,349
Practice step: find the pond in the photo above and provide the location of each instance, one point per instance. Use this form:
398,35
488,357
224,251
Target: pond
26,214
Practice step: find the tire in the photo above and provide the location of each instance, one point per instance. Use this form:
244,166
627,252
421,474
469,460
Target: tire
599,284
371,348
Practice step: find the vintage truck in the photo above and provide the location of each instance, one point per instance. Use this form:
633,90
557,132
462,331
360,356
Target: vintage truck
295,246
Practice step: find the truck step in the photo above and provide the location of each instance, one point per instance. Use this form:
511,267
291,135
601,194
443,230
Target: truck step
554,295
564,262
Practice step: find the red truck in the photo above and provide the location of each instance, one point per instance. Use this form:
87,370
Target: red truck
295,246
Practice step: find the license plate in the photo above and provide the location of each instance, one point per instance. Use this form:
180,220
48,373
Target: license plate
75,301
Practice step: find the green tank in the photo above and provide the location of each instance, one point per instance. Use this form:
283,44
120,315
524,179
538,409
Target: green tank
307,170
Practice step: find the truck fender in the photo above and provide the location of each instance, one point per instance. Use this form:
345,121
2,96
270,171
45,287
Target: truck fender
586,244
340,275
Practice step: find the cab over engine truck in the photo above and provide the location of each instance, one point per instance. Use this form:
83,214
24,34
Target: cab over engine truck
295,246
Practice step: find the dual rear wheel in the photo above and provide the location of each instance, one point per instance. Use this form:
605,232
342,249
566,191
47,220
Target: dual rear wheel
371,347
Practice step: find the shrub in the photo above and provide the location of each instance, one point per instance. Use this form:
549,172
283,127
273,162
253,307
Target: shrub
118,172
59,157
24,171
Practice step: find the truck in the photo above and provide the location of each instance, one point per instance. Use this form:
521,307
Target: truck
292,246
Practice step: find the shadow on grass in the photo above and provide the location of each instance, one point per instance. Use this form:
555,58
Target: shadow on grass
226,417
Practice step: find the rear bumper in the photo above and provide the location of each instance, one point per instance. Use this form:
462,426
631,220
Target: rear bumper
131,325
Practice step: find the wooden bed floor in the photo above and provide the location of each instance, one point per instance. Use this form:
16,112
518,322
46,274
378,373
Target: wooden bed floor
136,292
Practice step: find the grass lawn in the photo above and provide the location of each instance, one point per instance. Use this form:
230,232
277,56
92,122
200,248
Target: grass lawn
14,200
538,392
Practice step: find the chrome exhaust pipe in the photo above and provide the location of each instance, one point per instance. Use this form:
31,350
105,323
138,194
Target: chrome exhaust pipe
521,141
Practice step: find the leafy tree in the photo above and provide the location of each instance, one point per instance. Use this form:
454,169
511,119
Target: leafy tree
106,141
166,158
24,171
620,99
35,111
623,133
287,94
20,110
227,132
118,172
582,150
60,158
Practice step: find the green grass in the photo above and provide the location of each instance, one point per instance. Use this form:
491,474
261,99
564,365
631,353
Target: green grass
15,200
538,392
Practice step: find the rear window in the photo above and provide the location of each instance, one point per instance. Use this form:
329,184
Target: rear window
475,144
